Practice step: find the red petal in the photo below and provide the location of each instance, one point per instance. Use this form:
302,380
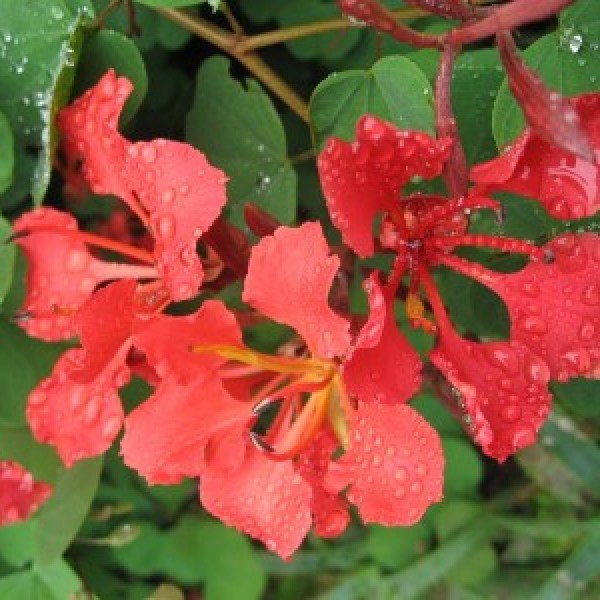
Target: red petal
264,498
383,366
394,465
183,195
105,325
79,420
289,278
61,274
501,386
567,185
89,133
330,511
20,496
168,341
555,308
365,178
171,183
166,436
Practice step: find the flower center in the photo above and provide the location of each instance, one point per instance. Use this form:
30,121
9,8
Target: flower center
423,229
309,390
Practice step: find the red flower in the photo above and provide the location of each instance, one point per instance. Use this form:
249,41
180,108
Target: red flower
77,409
270,484
500,387
567,185
20,496
169,185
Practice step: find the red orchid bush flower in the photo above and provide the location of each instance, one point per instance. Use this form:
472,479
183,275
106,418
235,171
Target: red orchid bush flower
174,268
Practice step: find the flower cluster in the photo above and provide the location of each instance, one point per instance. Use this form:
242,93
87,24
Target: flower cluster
285,442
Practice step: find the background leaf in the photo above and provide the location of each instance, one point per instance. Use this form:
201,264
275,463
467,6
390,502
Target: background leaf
240,132
394,89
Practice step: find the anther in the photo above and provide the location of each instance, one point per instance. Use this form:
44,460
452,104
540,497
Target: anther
260,407
22,316
260,443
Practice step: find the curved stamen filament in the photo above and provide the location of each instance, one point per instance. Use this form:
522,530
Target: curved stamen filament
511,245
449,209
305,427
315,369
95,240
437,304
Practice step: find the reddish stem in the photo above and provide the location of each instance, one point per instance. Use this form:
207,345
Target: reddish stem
452,9
455,174
508,16
374,14
260,222
448,243
230,244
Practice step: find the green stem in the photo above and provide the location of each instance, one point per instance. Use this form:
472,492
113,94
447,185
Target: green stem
229,42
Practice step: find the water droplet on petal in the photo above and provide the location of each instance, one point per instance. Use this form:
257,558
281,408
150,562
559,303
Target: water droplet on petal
77,260
166,226
149,153
534,324
511,413
401,474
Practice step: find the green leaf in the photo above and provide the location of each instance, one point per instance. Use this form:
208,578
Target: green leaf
240,132
582,565
40,41
477,77
464,469
179,3
394,89
7,255
577,395
397,547
7,154
108,49
61,517
17,443
581,13
327,46
16,544
580,454
566,60
28,357
426,572
221,558
436,414
52,582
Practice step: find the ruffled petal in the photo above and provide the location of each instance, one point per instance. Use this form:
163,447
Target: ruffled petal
168,341
166,437
61,274
383,366
330,510
567,185
169,185
364,178
105,326
20,495
264,498
555,308
289,278
501,388
89,128
183,194
79,419
394,465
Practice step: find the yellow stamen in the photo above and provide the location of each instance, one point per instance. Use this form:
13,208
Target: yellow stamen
314,370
